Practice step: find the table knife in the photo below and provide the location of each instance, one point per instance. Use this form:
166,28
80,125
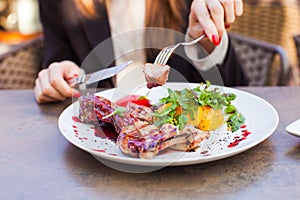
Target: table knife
90,78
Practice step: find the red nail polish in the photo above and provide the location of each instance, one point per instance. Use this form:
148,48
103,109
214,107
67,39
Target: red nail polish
71,77
215,39
227,26
76,95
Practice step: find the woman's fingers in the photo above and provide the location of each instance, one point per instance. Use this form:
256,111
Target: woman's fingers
58,73
232,9
40,96
46,88
40,90
214,16
238,7
229,10
217,14
200,17
51,84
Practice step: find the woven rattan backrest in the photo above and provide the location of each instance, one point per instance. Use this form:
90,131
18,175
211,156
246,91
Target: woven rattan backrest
258,58
274,21
19,67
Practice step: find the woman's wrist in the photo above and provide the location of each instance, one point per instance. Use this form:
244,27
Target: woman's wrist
206,55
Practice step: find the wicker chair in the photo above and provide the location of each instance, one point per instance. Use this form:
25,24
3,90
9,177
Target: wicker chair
259,60
19,66
297,46
274,21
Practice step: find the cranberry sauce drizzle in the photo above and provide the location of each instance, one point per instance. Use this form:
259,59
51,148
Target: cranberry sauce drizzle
103,130
106,131
76,119
238,139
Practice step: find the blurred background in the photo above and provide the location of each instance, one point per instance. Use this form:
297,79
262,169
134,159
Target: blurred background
19,21
273,21
20,15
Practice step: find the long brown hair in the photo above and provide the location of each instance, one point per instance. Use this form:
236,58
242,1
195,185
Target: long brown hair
165,13
159,13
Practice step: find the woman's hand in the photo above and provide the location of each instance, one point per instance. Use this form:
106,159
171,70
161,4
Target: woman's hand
212,17
51,84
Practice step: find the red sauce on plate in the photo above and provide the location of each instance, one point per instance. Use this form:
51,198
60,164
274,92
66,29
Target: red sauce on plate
76,119
238,139
106,131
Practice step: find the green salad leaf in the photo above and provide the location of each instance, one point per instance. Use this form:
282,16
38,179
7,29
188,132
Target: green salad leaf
183,100
118,111
188,100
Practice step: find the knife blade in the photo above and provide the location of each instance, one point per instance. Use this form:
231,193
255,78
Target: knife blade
99,75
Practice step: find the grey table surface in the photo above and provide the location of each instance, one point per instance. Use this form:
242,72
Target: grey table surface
37,162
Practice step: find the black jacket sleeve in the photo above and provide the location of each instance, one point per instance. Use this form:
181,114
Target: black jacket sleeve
56,44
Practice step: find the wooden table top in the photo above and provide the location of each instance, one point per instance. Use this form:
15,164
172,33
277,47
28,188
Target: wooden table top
37,162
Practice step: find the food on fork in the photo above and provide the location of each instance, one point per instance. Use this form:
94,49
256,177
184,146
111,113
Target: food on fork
156,74
181,120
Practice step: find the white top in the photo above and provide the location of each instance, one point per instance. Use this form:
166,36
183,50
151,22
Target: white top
126,19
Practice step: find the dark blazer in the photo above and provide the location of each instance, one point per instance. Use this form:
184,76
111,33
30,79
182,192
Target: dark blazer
70,36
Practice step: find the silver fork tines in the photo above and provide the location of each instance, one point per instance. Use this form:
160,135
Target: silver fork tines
165,53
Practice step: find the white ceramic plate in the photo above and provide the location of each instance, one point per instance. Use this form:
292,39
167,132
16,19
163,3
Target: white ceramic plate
261,122
294,128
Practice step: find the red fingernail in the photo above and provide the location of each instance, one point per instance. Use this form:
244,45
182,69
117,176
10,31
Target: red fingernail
227,26
73,76
215,39
76,95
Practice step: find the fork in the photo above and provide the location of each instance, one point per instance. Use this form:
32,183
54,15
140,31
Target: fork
164,55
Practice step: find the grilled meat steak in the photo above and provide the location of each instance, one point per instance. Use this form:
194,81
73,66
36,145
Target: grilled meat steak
138,136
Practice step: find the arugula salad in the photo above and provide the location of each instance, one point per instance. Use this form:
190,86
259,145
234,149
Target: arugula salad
205,108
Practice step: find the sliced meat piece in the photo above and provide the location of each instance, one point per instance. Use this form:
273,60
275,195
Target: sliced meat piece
135,128
139,112
156,74
193,137
145,141
133,143
92,108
